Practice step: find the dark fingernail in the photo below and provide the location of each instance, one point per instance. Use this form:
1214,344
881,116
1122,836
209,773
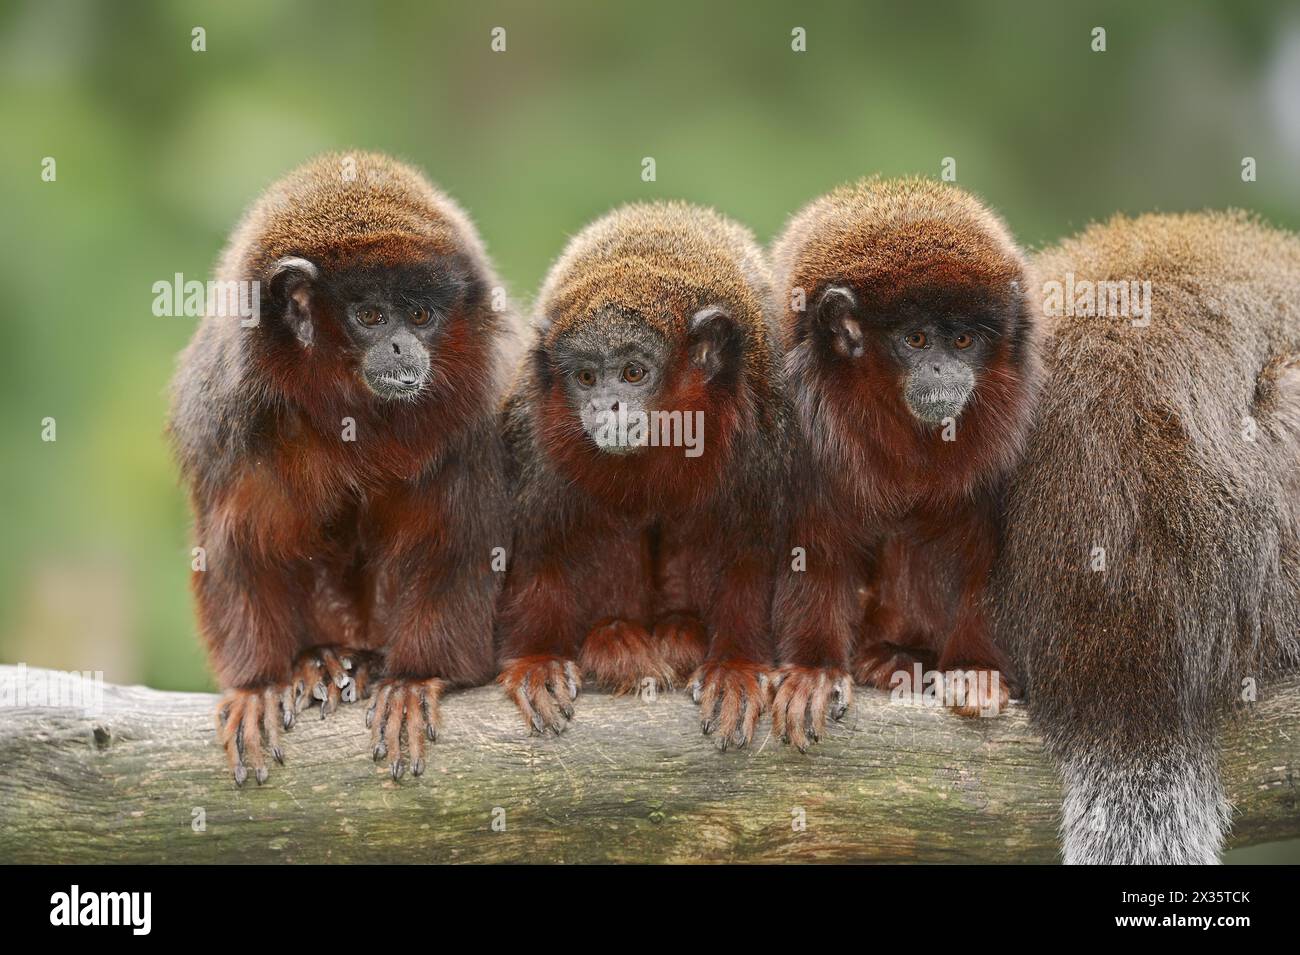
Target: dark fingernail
278,753
417,768
397,769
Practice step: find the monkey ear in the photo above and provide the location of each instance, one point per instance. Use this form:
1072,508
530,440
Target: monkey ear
713,340
291,281
837,313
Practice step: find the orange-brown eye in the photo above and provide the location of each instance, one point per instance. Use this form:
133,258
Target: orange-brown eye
586,378
916,339
633,373
963,341
420,316
370,317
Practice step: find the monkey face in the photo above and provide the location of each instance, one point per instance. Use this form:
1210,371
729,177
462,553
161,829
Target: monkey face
938,363
392,318
937,347
612,373
395,362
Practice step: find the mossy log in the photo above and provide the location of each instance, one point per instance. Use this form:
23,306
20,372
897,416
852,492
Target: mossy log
143,780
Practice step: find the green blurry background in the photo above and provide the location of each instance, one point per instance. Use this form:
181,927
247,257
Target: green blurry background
159,148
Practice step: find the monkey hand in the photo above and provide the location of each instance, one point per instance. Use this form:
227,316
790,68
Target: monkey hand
544,688
805,696
248,724
404,708
973,691
330,675
732,695
683,642
619,655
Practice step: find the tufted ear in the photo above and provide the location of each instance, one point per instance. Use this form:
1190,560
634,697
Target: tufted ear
837,313
291,280
713,341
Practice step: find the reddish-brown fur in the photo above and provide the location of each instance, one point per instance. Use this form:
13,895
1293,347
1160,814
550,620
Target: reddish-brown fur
382,542
646,565
899,527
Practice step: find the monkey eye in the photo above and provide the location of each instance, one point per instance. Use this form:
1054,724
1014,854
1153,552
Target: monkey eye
963,341
916,339
420,316
586,378
632,373
370,317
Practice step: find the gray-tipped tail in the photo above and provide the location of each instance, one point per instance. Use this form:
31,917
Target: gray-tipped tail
1169,809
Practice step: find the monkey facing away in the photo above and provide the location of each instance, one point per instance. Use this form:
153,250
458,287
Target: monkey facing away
343,461
912,370
1151,563
636,556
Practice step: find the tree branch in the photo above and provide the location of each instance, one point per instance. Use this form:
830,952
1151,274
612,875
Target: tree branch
631,781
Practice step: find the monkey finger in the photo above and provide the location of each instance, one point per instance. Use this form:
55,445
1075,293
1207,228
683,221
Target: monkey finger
288,707
730,709
562,688
271,719
330,695
415,728
818,701
779,704
250,735
334,668
572,680
532,719
842,697
709,704
753,709
230,719
376,717
392,731
550,711
796,715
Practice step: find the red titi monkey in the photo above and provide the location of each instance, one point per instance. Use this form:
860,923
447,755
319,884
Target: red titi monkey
912,371
343,459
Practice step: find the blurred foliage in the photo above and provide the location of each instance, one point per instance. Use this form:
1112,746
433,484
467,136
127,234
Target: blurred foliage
159,148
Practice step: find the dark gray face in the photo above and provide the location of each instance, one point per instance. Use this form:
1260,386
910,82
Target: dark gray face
939,363
395,363
938,346
604,367
393,316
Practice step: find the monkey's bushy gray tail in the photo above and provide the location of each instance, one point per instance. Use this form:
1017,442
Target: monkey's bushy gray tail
1165,807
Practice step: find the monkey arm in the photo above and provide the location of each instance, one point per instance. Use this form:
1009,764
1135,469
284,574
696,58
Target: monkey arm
974,544
815,609
436,586
249,612
539,607
739,618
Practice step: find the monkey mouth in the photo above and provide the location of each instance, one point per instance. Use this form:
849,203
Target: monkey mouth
396,387
614,435
933,407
